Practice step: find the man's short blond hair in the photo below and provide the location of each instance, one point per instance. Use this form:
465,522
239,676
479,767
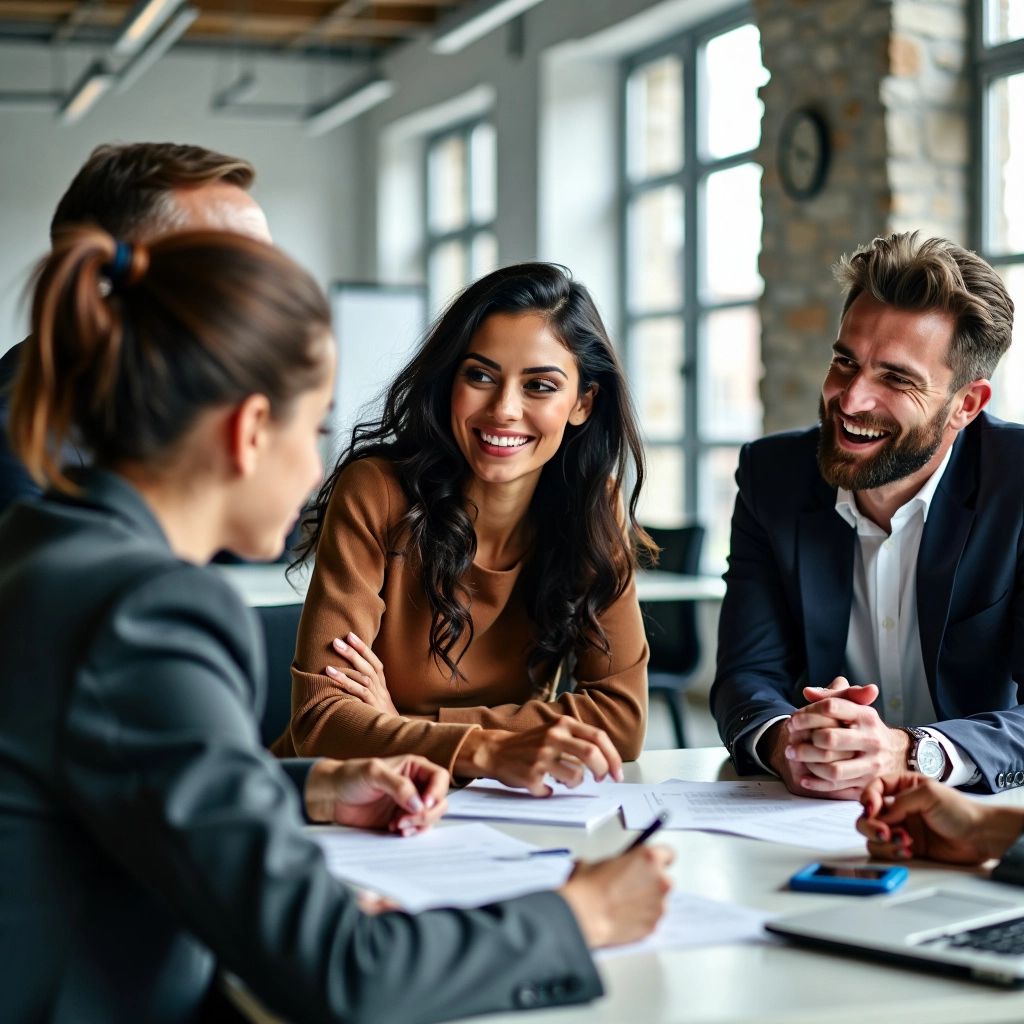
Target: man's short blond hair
936,275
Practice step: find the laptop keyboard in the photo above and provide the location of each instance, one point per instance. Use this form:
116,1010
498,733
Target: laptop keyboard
1006,937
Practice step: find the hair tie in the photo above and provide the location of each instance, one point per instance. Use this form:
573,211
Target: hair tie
127,266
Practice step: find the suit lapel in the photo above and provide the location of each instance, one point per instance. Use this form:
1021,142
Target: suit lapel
825,549
942,544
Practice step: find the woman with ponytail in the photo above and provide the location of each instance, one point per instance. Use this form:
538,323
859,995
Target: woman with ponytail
144,834
473,597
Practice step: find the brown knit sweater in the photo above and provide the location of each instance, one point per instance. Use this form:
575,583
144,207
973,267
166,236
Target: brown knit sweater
356,586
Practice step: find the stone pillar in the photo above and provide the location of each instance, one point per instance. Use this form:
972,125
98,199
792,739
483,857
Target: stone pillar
890,79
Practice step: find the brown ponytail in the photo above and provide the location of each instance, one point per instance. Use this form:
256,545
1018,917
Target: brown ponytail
129,344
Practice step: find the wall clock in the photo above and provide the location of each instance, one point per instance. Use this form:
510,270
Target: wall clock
803,154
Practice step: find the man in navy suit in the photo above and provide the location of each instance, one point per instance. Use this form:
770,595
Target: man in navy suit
874,616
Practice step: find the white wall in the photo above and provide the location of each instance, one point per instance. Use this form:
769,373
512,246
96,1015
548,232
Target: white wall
308,187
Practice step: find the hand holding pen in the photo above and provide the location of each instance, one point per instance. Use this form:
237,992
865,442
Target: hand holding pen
621,899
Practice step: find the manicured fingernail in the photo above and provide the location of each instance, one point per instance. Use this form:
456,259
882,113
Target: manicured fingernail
618,774
340,644
352,638
408,831
880,835
791,753
416,803
332,671
430,802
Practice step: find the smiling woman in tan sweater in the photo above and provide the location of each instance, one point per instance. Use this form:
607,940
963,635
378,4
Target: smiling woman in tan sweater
471,554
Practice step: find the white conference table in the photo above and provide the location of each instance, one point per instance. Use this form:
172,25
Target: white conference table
262,585
770,983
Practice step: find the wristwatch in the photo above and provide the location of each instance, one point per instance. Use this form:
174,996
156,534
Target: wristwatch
925,754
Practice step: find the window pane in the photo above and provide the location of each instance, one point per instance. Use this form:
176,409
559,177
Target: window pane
484,256
656,250
662,500
732,234
654,114
730,369
484,184
733,73
656,358
1007,394
446,273
1004,20
446,184
1005,163
717,494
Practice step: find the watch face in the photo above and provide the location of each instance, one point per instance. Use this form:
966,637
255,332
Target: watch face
931,761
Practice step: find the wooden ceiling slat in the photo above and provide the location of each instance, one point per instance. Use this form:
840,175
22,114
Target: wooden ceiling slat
292,24
47,9
217,22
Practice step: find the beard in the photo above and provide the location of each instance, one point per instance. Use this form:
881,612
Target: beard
901,453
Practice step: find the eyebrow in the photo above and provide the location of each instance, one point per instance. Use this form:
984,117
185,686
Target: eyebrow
528,369
903,371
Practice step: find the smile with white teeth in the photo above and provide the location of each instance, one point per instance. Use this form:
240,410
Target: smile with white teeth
868,432
504,441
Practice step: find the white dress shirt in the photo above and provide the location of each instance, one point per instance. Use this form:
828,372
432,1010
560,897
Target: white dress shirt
883,644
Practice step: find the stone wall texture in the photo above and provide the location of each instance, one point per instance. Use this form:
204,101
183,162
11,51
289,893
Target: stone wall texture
891,80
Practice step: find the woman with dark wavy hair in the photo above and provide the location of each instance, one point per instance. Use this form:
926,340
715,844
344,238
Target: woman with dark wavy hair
472,545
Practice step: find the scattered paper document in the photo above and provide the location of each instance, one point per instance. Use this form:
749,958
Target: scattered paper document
759,810
692,920
486,798
830,827
456,866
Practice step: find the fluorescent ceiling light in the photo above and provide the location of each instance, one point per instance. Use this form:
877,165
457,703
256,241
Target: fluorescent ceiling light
158,46
142,21
96,80
457,32
348,105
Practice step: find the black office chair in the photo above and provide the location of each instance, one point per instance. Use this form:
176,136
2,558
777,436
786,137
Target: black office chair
280,627
672,625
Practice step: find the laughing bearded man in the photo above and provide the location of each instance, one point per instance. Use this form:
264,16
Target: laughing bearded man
874,616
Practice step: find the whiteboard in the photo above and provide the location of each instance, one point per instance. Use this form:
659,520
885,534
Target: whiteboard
378,328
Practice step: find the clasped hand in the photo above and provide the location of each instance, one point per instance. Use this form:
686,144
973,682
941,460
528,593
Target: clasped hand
835,745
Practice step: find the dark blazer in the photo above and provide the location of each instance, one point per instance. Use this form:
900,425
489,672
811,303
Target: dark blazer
144,832
786,612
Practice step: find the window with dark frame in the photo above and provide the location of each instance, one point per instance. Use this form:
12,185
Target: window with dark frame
691,225
459,240
999,196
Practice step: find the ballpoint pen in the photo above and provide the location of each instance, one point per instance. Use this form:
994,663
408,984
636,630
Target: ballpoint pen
527,854
660,818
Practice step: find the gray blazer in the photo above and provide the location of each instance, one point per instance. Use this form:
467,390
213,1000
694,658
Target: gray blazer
145,834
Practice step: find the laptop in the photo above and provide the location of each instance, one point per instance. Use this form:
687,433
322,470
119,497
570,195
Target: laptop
959,932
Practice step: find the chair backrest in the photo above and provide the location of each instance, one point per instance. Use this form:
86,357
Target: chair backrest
672,625
280,627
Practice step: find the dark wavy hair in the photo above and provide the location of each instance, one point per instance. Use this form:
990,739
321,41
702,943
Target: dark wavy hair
583,557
